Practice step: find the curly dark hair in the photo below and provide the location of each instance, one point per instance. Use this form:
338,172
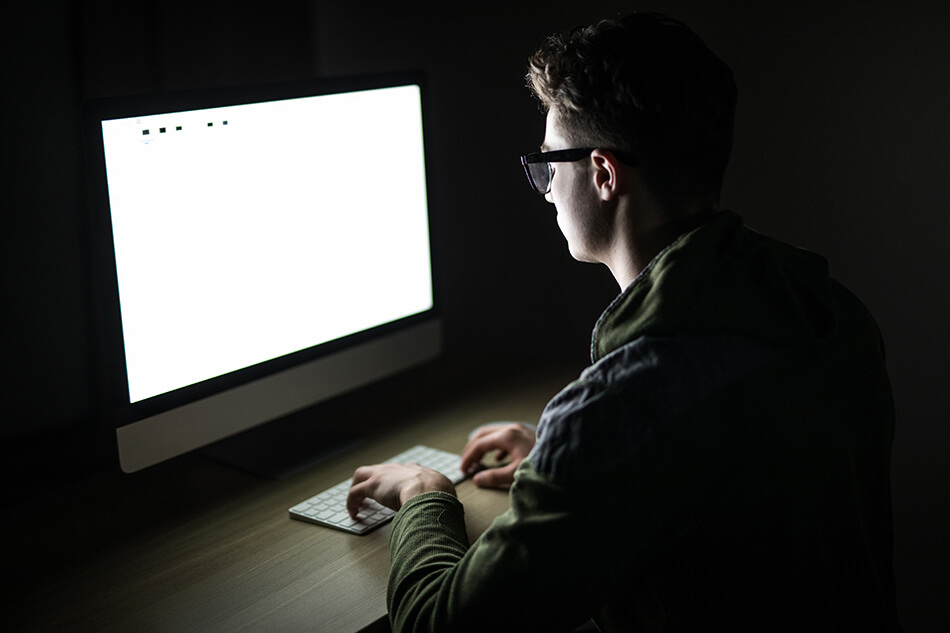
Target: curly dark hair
648,85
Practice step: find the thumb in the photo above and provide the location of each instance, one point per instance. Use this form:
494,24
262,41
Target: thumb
495,477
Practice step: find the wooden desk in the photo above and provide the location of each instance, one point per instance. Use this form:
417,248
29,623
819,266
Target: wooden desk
191,545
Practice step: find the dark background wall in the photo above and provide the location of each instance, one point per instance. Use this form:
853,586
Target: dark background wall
842,146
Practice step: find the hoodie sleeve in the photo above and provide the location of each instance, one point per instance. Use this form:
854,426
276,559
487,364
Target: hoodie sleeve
529,571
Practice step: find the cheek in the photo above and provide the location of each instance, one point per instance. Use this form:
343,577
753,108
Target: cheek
570,222
578,221
562,193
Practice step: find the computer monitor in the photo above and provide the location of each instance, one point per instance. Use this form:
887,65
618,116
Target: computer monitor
256,250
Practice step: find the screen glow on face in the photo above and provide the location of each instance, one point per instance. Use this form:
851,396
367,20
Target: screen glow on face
245,233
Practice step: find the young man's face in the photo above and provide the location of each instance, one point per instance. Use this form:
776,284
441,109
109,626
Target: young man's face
574,197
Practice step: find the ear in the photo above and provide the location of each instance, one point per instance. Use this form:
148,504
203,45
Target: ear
608,174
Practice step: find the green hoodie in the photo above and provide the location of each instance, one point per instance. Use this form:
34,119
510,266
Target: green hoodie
723,464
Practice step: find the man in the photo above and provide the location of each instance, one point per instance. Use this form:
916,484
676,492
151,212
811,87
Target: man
724,462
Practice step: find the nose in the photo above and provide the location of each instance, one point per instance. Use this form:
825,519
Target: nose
548,197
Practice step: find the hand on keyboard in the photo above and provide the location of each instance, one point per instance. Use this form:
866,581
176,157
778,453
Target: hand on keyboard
328,508
393,484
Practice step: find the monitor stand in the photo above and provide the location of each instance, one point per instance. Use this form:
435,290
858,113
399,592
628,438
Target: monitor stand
282,448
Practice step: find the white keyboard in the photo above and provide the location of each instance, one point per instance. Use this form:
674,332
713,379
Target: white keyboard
329,507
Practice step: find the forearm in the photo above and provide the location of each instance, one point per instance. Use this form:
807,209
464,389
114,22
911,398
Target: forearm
427,539
531,570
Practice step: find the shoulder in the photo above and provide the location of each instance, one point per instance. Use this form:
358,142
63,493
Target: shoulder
607,415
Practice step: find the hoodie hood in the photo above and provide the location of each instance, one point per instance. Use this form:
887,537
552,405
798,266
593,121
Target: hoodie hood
724,278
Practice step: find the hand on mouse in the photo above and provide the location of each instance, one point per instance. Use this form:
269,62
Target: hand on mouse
512,441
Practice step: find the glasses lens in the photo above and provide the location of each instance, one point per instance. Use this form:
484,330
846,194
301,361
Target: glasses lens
540,176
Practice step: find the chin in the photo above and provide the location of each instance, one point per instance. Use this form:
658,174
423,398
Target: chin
581,256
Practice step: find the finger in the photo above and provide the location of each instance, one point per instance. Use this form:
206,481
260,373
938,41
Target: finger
354,499
475,450
360,489
471,455
496,477
363,473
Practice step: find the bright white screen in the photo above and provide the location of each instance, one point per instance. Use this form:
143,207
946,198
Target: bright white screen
279,226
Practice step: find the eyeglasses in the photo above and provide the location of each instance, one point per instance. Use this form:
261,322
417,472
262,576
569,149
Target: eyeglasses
537,167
